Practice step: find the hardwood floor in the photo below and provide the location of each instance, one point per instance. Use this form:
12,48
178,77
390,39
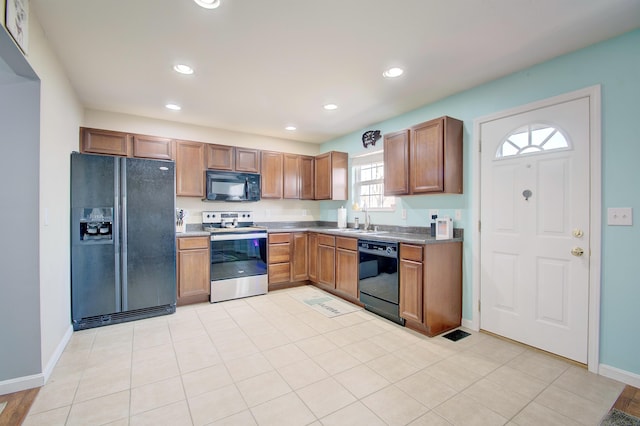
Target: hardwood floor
629,401
18,405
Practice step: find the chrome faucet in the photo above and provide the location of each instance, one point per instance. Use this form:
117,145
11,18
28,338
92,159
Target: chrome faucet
367,218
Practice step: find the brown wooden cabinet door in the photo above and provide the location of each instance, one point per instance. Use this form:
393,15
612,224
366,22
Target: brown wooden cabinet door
347,272
291,176
220,157
396,163
326,266
331,176
411,290
272,168
190,169
194,282
152,147
313,257
306,178
323,176
247,160
95,141
427,157
299,256
442,296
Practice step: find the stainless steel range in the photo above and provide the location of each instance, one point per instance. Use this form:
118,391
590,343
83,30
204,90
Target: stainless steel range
238,255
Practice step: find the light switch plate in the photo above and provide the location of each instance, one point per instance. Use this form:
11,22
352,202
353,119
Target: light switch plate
458,214
404,213
620,216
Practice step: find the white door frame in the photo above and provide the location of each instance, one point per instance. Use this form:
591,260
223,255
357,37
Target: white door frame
595,214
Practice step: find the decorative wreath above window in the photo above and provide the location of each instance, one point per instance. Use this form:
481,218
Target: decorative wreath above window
532,139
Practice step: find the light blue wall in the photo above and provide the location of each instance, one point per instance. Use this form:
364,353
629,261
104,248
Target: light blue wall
615,65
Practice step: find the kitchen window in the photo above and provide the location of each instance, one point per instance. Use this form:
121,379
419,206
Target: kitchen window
368,183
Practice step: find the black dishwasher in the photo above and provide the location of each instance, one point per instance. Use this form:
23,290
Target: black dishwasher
378,278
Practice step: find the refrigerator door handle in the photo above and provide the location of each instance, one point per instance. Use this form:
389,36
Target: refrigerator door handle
116,232
123,220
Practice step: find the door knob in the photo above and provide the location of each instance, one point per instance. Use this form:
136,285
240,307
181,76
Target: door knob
577,251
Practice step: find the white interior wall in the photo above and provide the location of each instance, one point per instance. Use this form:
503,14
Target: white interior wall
20,334
61,114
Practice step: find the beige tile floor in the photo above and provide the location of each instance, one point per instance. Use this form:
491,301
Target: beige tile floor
271,360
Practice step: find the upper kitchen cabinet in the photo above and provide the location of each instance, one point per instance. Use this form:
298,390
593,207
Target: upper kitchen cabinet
272,174
307,169
224,157
433,153
190,162
298,177
220,157
247,160
396,163
95,141
435,160
152,147
330,176
108,142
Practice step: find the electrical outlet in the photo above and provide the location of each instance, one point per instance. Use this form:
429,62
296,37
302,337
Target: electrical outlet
458,214
404,214
620,216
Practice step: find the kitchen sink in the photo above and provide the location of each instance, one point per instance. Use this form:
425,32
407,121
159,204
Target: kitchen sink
358,231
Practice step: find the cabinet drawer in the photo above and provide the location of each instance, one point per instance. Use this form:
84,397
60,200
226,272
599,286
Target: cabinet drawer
190,243
347,243
279,273
326,240
411,252
279,238
279,253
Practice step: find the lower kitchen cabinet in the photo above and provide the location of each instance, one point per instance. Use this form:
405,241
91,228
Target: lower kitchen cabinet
326,261
279,258
299,256
347,266
411,282
313,257
194,280
431,289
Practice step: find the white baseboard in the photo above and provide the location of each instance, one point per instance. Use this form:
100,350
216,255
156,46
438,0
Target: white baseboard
21,383
48,369
620,375
469,324
36,380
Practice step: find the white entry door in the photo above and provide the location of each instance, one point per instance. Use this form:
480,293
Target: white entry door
534,233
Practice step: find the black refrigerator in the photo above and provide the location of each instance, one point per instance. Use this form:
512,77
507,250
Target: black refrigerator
123,253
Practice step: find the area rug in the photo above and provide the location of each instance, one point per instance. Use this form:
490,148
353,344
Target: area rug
618,418
326,305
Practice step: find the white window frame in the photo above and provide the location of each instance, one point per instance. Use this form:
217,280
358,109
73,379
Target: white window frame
356,164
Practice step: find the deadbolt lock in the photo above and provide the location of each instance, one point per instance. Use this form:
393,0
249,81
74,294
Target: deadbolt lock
578,233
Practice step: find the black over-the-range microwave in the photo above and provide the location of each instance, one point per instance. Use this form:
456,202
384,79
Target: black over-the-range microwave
232,186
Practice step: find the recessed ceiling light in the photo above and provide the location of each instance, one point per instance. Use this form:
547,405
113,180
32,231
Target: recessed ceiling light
183,69
393,72
208,4
290,128
330,107
173,107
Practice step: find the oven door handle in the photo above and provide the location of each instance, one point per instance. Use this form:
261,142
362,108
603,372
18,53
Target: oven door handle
237,236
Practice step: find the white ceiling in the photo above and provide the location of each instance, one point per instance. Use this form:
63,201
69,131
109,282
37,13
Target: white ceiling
262,65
